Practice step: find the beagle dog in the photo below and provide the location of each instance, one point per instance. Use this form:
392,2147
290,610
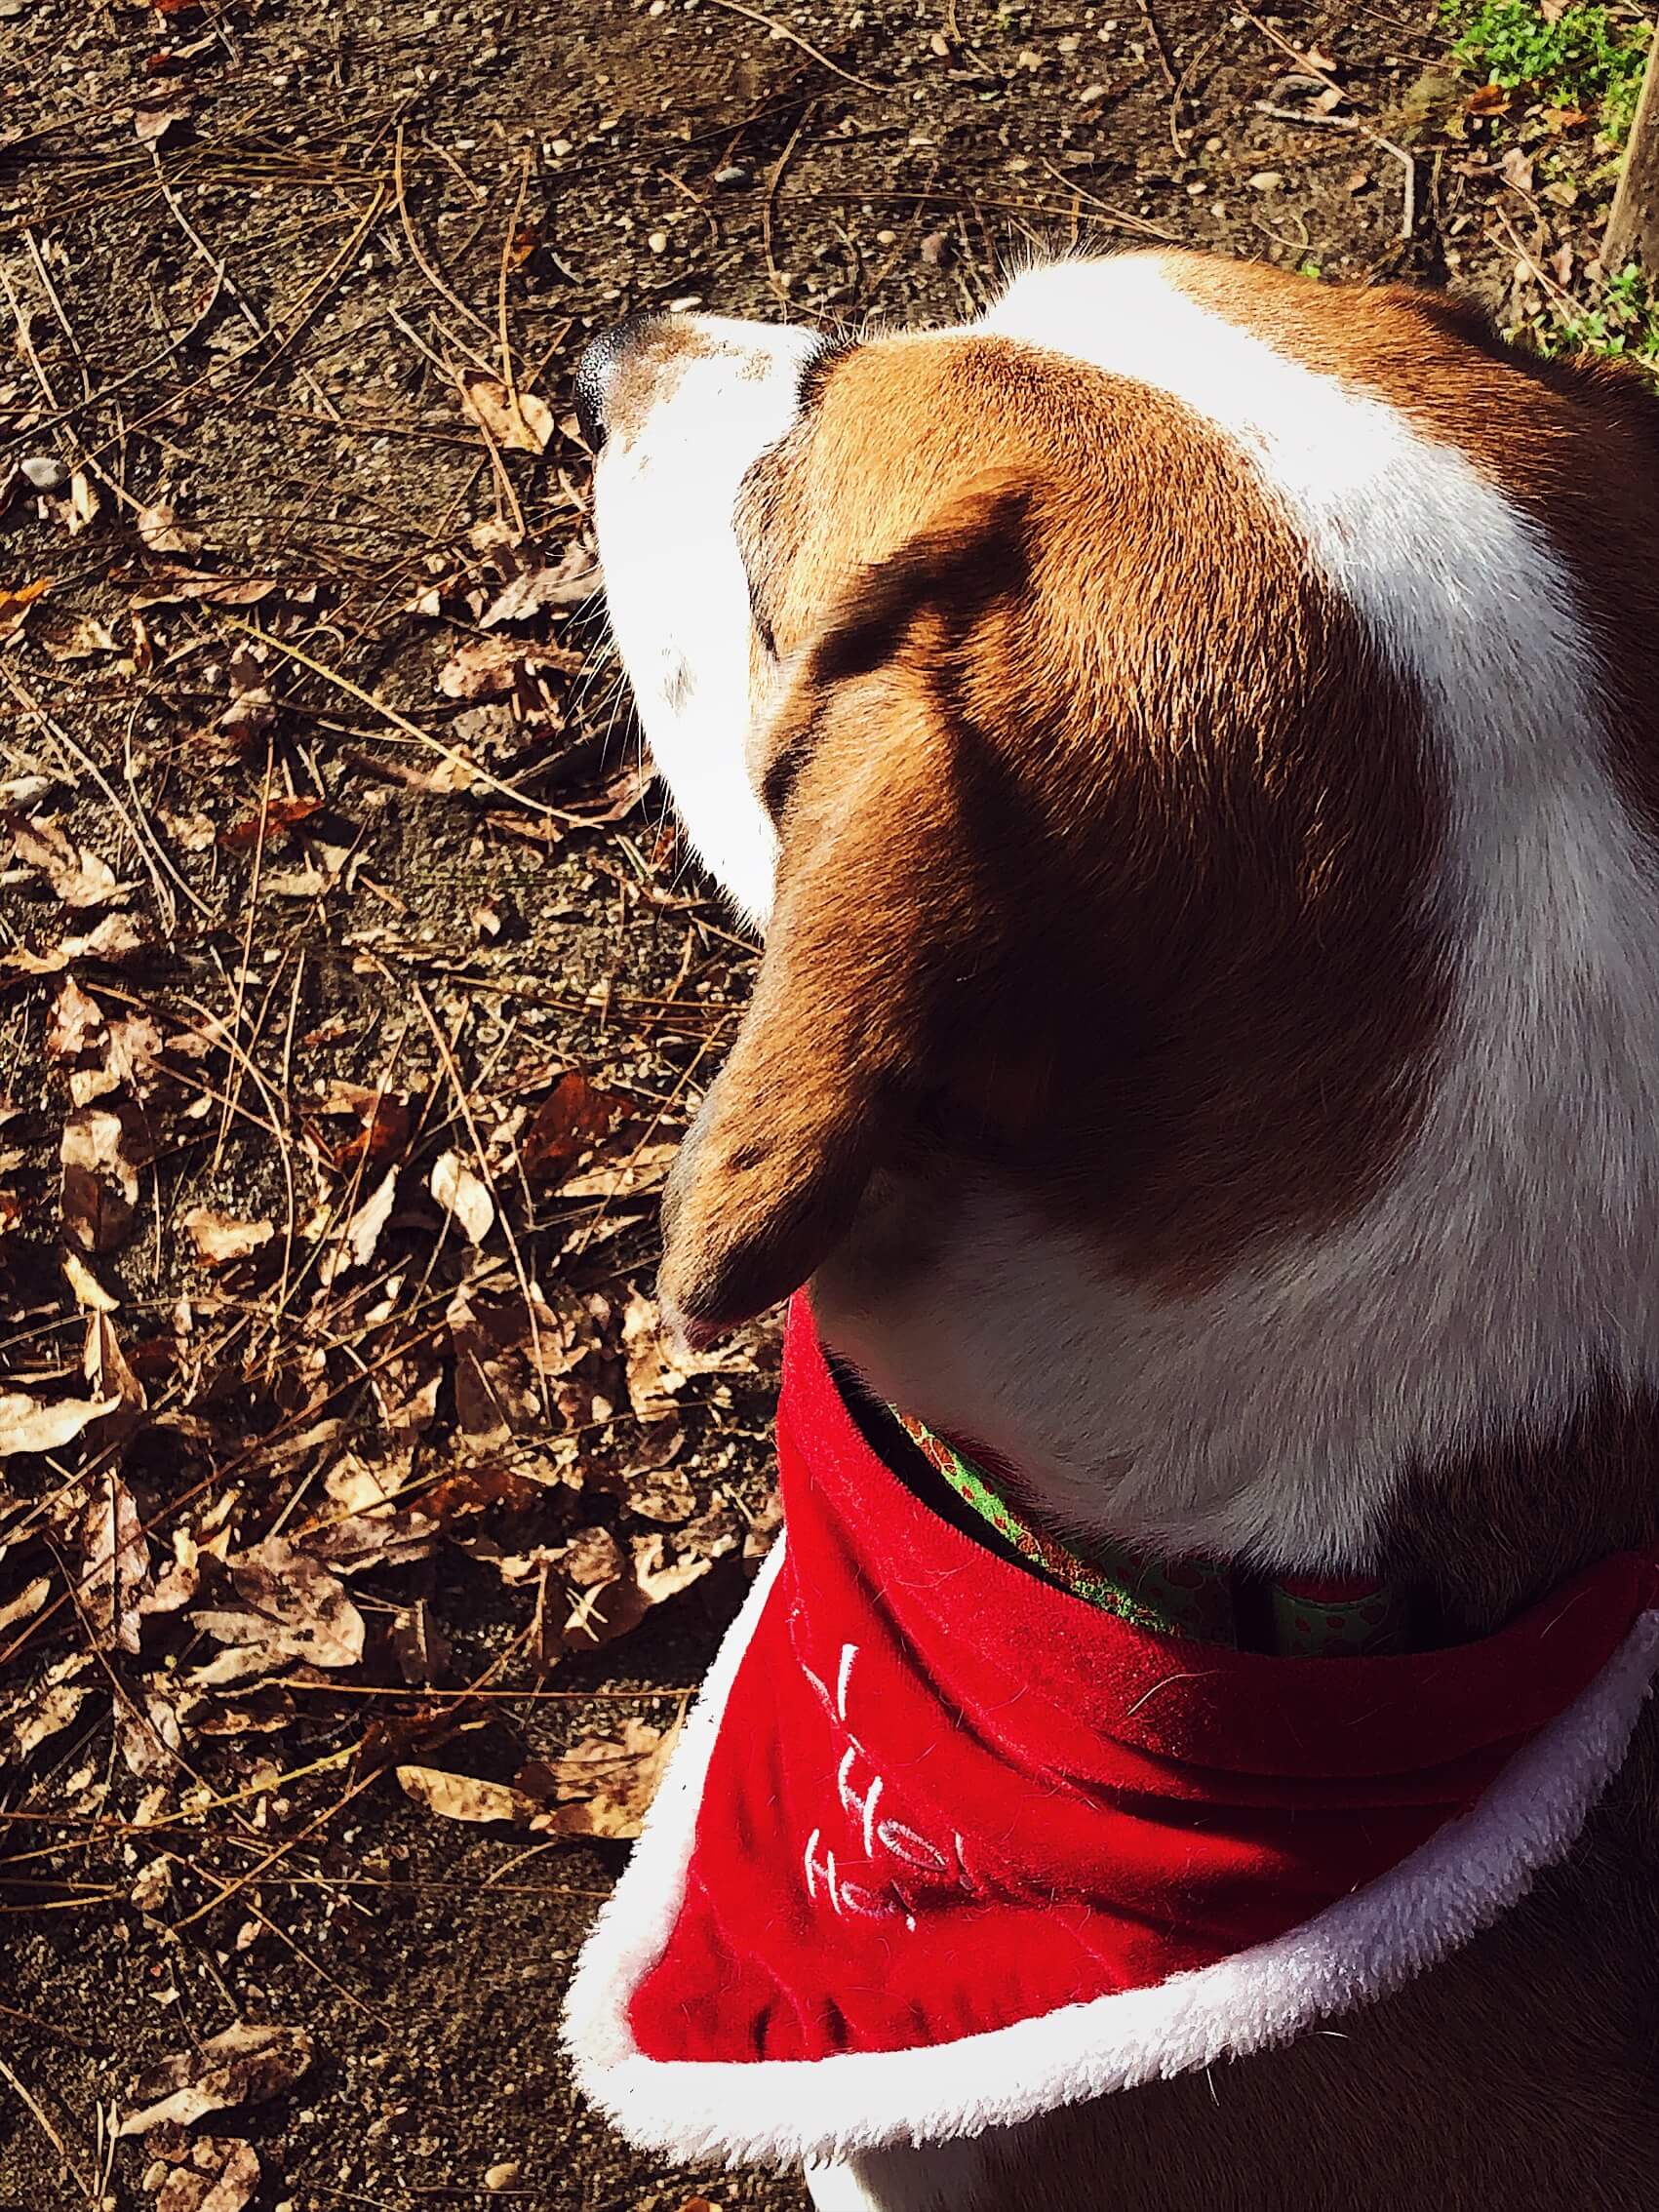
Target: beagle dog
1189,741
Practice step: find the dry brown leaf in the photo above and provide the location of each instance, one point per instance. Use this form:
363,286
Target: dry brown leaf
646,1169
481,668
572,1119
660,1493
47,1714
609,1782
355,1245
383,1120
220,1237
101,1177
15,602
115,938
658,1368
462,1195
517,420
175,586
27,1602
76,1024
178,1584
572,581
281,814
462,1797
243,2066
79,637
420,1647
159,115
79,879
295,1609
115,1558
148,1733
658,1576
162,531
35,1424
220,2175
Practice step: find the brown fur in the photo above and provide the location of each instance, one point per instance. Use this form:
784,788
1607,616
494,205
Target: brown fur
1071,730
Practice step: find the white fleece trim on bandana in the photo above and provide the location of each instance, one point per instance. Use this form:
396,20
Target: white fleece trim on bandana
1358,1949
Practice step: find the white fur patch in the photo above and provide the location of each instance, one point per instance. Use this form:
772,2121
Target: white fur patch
1356,1951
676,588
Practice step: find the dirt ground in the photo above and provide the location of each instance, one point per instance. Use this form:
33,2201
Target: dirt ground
359,1539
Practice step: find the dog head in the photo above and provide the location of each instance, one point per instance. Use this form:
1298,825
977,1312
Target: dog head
1159,730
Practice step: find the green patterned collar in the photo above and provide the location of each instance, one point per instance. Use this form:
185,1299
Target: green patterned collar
1207,1600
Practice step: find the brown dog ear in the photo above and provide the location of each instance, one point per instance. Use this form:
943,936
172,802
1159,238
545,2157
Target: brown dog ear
879,921
834,1043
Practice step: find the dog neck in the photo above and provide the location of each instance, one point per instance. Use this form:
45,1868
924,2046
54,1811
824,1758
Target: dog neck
1227,1426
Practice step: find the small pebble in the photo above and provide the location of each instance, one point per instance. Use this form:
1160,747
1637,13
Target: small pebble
731,178
936,249
1266,180
45,472
658,240
503,2176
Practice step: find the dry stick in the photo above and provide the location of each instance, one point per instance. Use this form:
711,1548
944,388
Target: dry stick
130,779
357,2003
1632,227
215,1477
119,1691
63,323
1135,224
1155,32
248,313
398,721
420,262
1535,268
51,2133
1189,70
774,178
1407,163
312,301
89,767
363,1782
234,1086
783,30
501,294
447,1055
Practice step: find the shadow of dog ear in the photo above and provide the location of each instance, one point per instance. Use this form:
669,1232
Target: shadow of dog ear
883,927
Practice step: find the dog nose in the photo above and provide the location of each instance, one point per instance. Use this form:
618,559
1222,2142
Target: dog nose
597,367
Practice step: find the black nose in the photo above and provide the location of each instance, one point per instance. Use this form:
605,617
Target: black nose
596,369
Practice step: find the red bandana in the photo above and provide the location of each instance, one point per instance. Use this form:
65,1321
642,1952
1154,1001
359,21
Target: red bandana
927,1796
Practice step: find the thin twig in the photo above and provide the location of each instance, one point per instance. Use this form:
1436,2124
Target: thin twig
783,30
398,721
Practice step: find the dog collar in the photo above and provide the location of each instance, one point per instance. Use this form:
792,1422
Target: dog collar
1209,1601
943,1847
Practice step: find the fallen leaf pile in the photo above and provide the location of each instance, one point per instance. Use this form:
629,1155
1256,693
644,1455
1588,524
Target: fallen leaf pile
336,1416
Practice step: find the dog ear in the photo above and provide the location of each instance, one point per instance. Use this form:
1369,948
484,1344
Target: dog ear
880,921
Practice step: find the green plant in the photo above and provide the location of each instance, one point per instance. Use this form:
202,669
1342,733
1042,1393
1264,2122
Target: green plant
1584,59
1622,320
